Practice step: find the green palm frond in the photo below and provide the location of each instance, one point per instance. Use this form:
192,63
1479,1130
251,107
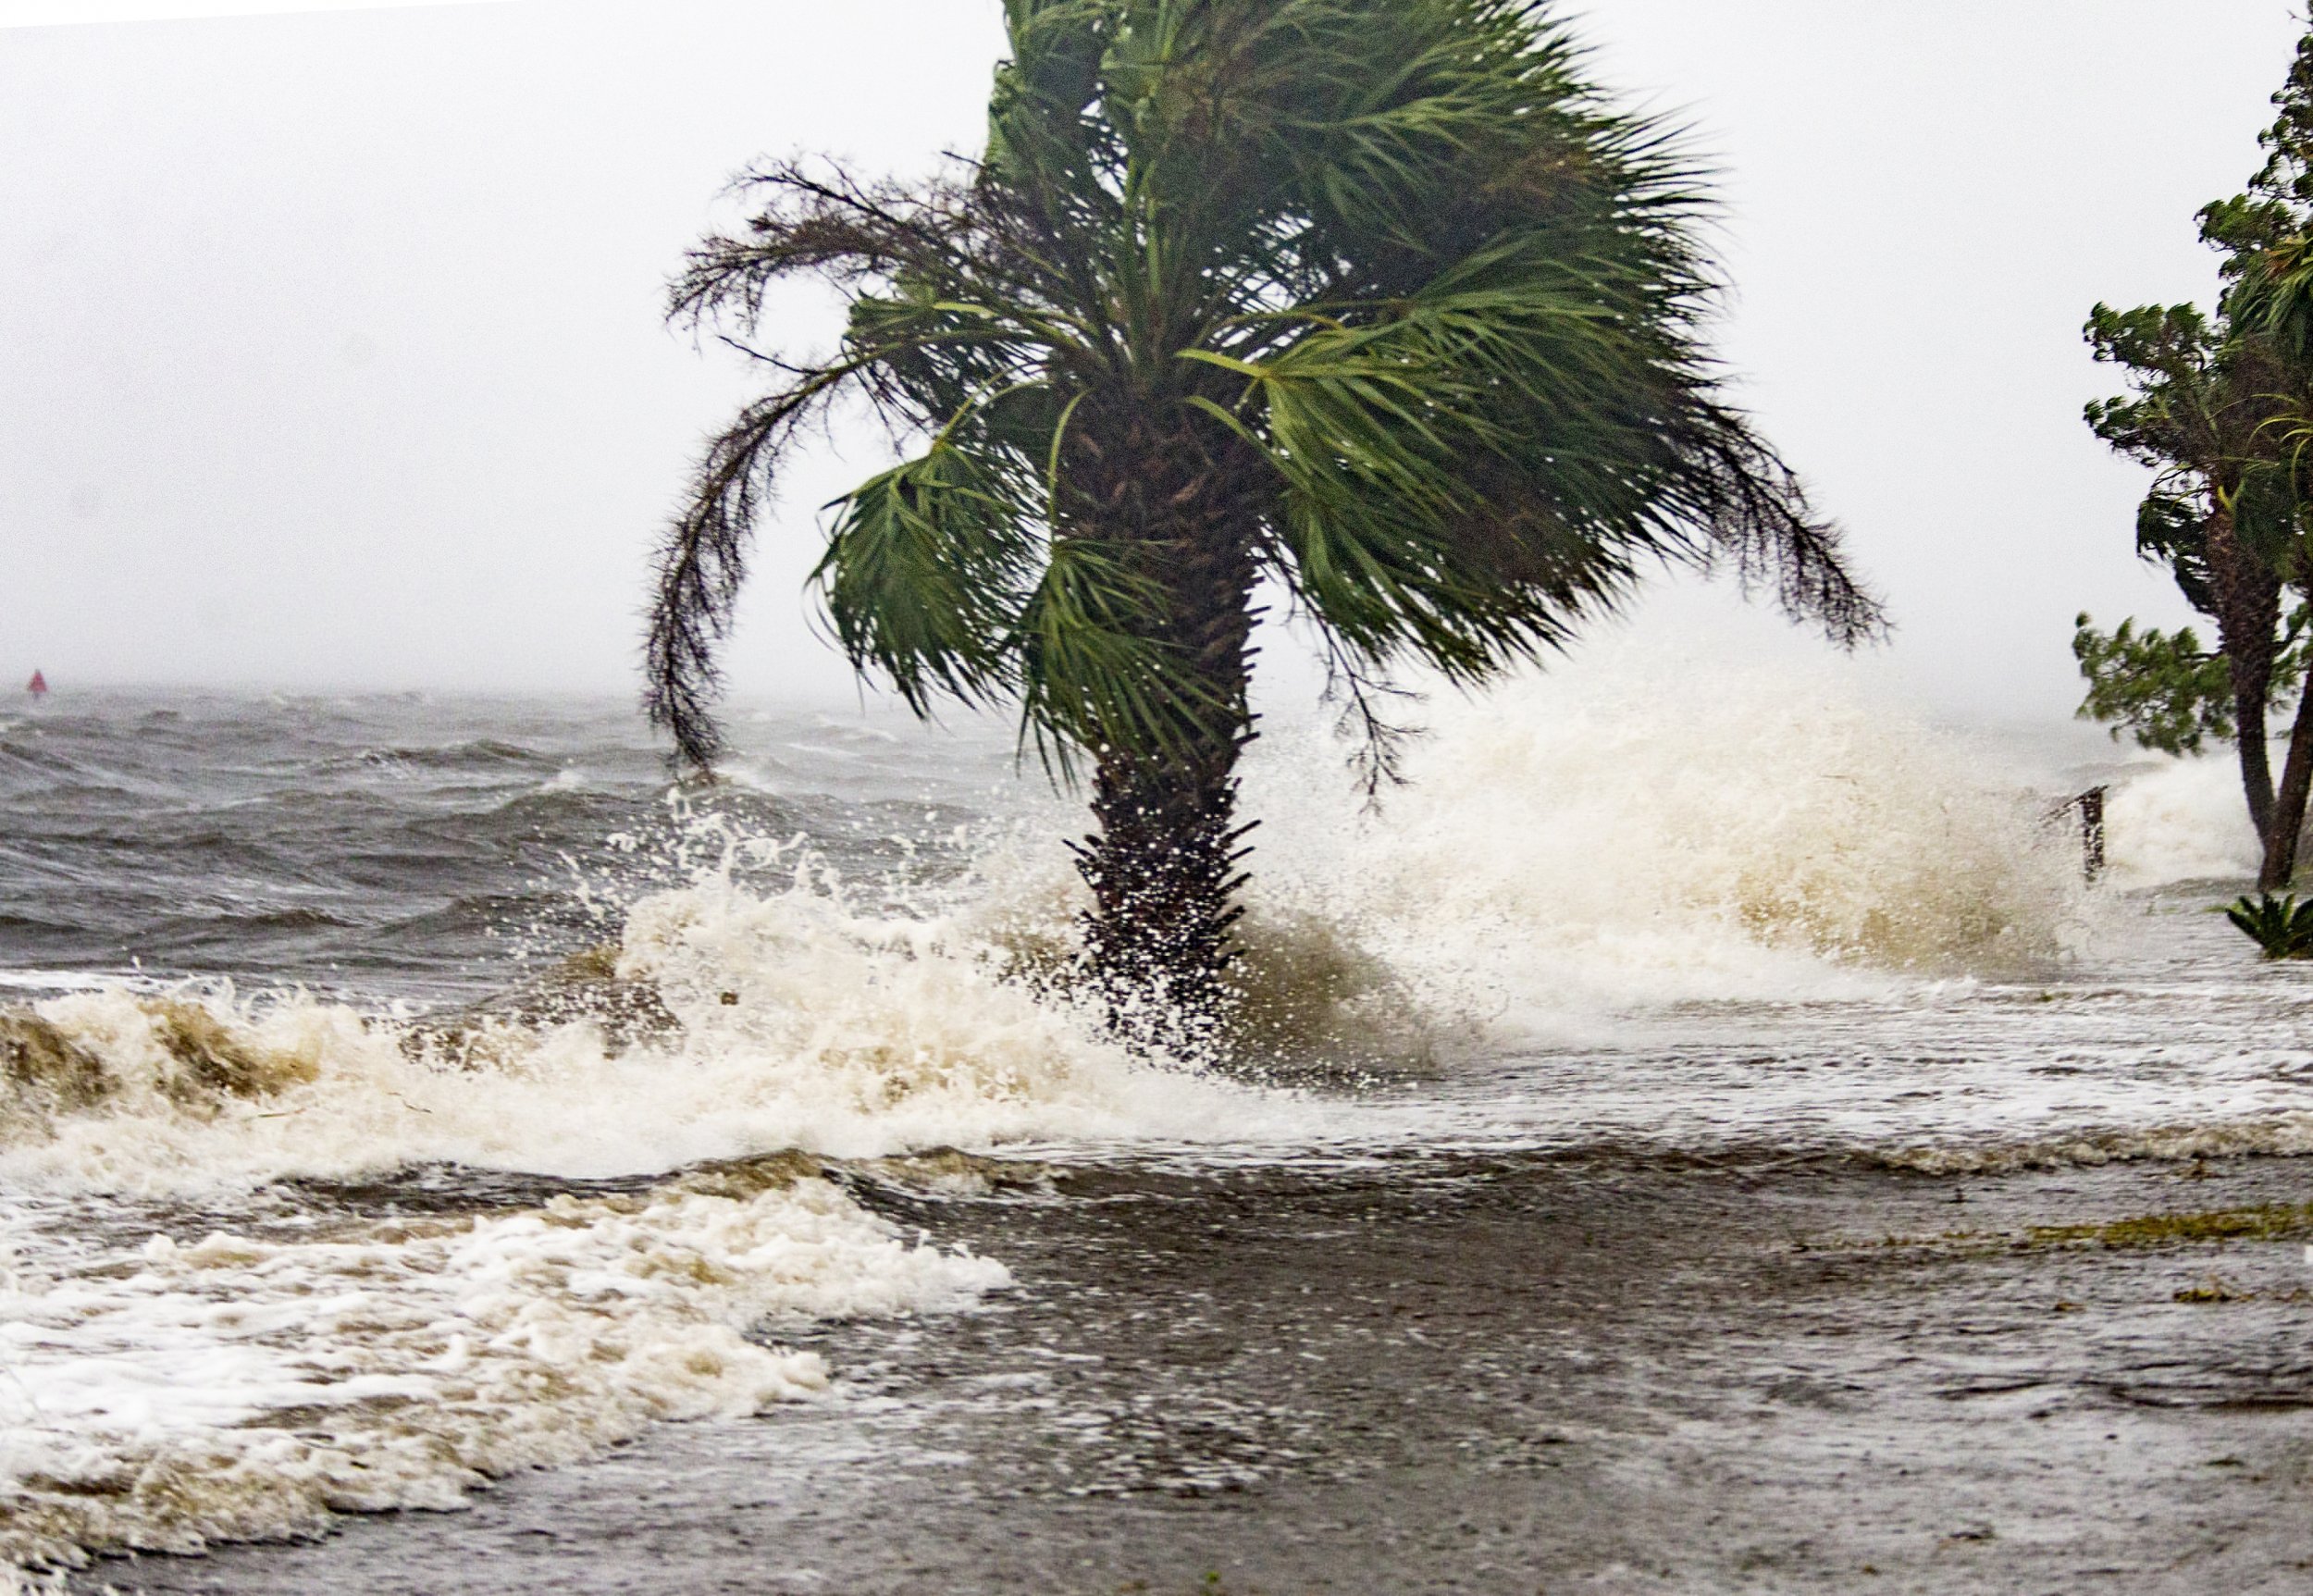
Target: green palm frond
1093,675
1429,312
926,569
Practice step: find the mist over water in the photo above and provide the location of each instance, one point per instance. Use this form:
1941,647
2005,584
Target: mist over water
453,1095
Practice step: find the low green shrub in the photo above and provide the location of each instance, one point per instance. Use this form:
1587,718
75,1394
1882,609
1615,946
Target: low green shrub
2281,926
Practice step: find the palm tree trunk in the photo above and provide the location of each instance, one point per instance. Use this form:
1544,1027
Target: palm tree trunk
1164,867
1164,864
2288,818
2247,600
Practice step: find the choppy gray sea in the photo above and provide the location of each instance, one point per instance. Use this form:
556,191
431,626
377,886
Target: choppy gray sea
1719,1149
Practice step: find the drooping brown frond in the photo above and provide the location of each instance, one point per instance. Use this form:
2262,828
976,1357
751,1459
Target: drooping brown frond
702,564
817,219
1378,743
1754,513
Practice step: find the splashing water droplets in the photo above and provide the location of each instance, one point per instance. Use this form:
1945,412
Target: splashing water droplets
201,1339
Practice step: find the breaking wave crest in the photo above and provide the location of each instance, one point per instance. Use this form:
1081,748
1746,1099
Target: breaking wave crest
728,1023
216,1357
2180,820
1569,847
1616,837
212,1360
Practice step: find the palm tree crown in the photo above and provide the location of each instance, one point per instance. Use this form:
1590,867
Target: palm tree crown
1378,300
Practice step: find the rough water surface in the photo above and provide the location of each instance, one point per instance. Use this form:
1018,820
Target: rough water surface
1688,1149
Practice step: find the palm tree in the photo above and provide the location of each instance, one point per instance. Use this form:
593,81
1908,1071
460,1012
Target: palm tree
1377,301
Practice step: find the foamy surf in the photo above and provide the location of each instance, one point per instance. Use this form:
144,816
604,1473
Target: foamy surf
242,1386
2178,819
791,1023
1611,908
174,1385
1636,831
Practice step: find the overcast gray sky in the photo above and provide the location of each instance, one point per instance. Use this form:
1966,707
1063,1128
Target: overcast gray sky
330,351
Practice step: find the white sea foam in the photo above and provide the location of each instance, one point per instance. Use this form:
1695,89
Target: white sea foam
1615,868
803,1025
2282,1135
1636,834
2177,820
196,1386
231,1386
1622,834
15,1581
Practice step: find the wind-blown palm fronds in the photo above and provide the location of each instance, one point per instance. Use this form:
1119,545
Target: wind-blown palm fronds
1376,299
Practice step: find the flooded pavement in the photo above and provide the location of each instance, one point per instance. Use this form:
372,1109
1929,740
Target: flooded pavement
1710,1146
1505,1374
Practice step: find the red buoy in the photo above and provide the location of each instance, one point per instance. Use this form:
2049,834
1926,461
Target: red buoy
37,686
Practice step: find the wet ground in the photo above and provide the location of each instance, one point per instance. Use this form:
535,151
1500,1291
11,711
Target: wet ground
1499,1374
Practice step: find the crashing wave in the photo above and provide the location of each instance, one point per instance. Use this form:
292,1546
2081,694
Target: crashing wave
1593,844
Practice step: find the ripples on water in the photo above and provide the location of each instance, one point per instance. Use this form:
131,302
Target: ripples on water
389,847
290,1228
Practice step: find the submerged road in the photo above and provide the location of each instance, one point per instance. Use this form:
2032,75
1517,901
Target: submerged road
1497,1374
